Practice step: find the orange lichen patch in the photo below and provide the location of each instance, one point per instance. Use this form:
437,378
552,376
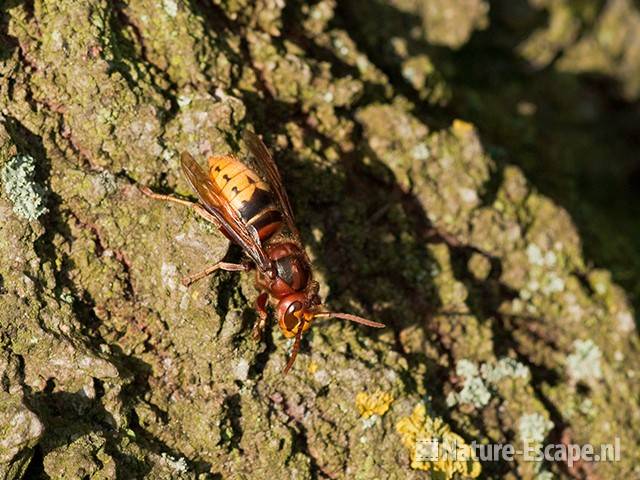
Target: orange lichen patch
434,447
376,403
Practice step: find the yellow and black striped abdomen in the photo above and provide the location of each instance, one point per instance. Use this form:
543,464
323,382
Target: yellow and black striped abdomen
247,193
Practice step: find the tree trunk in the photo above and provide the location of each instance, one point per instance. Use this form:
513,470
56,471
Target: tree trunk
451,166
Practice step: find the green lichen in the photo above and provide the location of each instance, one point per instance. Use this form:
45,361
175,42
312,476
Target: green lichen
451,22
27,195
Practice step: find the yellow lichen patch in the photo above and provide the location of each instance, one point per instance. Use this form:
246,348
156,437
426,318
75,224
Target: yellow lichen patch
376,403
434,447
461,128
312,367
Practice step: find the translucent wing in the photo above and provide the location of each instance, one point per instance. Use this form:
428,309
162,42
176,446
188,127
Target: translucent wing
269,168
212,199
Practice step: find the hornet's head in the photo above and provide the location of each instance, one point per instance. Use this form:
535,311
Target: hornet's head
296,312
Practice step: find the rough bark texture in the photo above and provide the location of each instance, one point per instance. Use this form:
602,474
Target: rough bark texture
460,170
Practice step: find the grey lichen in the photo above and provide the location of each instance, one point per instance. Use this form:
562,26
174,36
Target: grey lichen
171,7
504,368
534,427
474,392
584,362
18,179
179,465
480,382
545,475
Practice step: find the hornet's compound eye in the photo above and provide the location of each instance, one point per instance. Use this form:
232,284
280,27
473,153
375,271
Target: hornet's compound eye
292,315
291,310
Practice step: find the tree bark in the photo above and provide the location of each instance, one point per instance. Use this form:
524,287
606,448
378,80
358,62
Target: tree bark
441,158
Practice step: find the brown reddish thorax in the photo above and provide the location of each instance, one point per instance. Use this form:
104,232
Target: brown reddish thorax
247,193
292,270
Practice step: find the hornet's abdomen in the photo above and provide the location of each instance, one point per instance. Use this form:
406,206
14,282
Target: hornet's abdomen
247,193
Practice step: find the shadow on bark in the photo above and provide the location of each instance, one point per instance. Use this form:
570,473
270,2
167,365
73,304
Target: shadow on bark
587,165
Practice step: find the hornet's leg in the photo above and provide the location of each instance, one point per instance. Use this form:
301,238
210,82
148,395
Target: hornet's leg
199,209
261,307
229,267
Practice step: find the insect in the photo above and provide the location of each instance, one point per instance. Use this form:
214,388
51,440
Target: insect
247,201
